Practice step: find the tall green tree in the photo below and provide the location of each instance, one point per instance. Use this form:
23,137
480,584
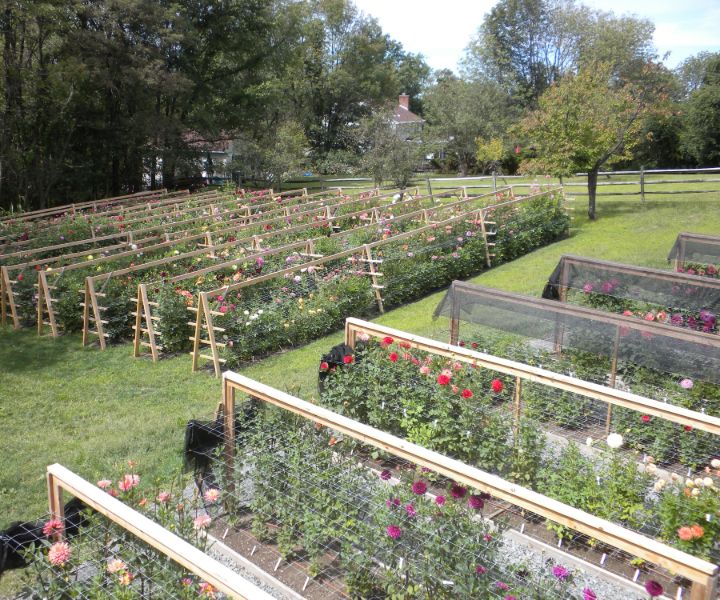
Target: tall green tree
585,122
526,45
700,136
385,155
459,111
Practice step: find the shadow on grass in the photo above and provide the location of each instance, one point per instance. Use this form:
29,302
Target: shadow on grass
23,350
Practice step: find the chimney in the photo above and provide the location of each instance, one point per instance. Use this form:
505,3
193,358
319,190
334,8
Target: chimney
404,101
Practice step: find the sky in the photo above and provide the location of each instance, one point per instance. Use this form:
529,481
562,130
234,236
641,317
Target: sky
441,30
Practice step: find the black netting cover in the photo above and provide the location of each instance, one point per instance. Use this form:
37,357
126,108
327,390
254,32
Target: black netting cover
649,344
696,248
675,292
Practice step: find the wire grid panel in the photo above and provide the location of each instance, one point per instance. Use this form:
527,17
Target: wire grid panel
676,298
400,490
525,430
329,515
101,547
696,254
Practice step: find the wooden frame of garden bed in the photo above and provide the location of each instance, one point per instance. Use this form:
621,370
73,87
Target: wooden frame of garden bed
566,260
91,302
221,577
682,241
204,317
520,371
571,310
702,574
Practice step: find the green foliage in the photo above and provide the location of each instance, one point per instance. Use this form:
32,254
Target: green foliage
174,317
527,45
700,137
386,155
683,504
458,112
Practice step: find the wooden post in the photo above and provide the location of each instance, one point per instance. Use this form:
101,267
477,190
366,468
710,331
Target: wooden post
86,315
229,435
455,320
517,408
429,187
96,311
707,591
642,183
55,502
494,176
613,376
144,312
481,215
375,282
198,331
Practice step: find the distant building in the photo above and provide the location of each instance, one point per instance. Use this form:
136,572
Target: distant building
407,124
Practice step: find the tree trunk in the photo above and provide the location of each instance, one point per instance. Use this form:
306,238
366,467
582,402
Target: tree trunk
592,188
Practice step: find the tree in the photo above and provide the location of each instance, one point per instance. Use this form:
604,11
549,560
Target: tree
583,123
384,154
458,112
700,137
526,45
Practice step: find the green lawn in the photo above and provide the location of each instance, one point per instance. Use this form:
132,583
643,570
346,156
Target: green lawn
92,410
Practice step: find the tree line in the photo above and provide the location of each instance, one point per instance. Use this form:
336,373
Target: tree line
105,97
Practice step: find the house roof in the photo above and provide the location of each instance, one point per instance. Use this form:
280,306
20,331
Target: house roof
405,115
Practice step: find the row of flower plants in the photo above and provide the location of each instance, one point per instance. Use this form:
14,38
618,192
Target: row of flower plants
395,532
232,243
83,227
80,231
174,299
669,443
465,412
702,269
101,559
669,304
304,305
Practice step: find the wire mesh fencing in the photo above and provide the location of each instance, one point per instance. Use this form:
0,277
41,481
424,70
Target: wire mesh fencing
339,509
696,254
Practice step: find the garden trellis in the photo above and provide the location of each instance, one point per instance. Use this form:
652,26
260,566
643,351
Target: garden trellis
143,539
241,213
210,203
242,223
147,323
624,342
331,474
128,199
505,437
678,298
93,311
697,252
392,270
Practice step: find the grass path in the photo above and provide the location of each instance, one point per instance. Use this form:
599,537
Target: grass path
93,410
